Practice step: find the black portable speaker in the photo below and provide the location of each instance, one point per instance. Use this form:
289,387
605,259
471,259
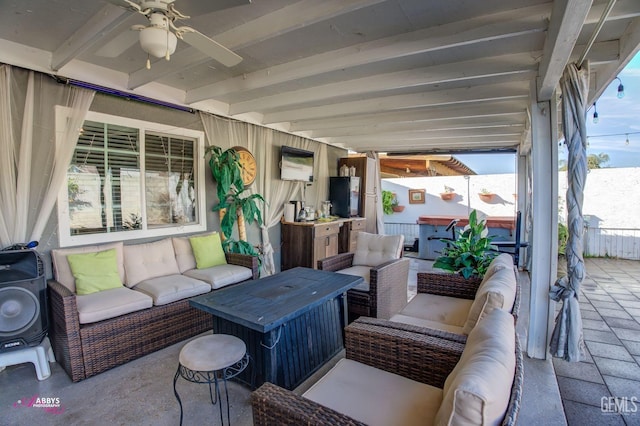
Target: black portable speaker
24,318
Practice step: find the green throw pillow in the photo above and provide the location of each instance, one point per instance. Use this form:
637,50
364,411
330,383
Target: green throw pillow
95,272
208,251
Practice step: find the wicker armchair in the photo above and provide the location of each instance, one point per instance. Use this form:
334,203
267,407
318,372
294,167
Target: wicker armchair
416,356
377,259
455,286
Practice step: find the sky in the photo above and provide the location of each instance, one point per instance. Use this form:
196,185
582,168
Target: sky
619,117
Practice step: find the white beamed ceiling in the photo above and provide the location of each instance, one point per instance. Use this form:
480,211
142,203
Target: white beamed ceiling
383,75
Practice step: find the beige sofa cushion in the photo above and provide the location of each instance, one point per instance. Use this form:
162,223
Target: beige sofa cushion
170,288
359,271
110,304
221,275
151,260
498,292
439,309
477,390
375,249
502,261
419,322
374,396
62,271
184,254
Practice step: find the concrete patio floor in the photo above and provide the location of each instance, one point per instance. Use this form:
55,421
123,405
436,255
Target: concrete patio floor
141,391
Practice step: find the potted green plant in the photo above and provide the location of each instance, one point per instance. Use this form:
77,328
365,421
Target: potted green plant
471,252
233,206
388,198
486,195
448,194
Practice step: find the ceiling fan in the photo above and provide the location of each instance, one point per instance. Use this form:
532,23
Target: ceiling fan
159,38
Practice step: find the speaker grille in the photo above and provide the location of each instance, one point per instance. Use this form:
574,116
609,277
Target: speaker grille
19,310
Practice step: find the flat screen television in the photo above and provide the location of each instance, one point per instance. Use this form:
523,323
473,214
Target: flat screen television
296,164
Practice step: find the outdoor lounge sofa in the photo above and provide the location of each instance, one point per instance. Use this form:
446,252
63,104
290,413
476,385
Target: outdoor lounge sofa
402,378
448,305
91,333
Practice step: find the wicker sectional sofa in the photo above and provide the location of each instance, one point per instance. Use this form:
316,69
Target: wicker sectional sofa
93,333
391,376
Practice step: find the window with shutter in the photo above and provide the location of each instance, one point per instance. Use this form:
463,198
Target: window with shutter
107,198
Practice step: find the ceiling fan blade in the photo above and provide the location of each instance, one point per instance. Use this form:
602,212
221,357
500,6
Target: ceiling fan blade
118,45
210,47
129,5
203,7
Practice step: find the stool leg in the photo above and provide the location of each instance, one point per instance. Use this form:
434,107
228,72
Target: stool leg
215,380
175,392
226,391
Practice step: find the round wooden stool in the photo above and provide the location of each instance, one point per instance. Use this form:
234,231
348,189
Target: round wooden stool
208,359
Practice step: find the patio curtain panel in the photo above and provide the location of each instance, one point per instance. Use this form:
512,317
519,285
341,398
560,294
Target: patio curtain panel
378,192
567,339
264,144
34,160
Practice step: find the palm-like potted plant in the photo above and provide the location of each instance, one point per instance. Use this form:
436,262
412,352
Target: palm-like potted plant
233,206
471,252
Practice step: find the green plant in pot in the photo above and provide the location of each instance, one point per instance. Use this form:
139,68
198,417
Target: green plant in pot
234,207
471,252
388,201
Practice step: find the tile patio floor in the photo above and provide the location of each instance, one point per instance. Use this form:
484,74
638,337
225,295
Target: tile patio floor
610,307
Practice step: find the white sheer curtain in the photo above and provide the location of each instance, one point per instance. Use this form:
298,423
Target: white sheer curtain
265,144
378,190
32,170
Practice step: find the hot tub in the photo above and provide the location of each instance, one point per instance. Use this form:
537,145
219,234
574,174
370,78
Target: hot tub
432,229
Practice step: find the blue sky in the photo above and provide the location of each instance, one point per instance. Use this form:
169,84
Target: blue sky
616,116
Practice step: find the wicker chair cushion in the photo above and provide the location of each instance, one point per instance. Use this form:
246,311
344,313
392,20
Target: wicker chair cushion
438,309
359,271
502,261
419,322
478,389
62,271
499,292
184,254
151,260
375,249
107,304
170,288
221,275
374,396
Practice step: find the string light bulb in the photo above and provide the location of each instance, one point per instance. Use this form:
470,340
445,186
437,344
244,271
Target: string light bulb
627,141
620,89
595,114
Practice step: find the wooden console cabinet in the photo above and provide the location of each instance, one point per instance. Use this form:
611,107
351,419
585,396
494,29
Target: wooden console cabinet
348,231
304,243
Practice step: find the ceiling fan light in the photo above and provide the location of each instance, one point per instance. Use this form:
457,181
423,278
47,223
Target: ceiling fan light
158,42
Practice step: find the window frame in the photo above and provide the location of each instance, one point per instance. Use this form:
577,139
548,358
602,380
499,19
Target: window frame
64,236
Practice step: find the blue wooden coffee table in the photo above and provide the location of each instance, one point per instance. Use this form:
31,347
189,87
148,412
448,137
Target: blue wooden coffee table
291,322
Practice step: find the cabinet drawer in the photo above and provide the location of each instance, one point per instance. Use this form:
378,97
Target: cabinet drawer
358,224
328,229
